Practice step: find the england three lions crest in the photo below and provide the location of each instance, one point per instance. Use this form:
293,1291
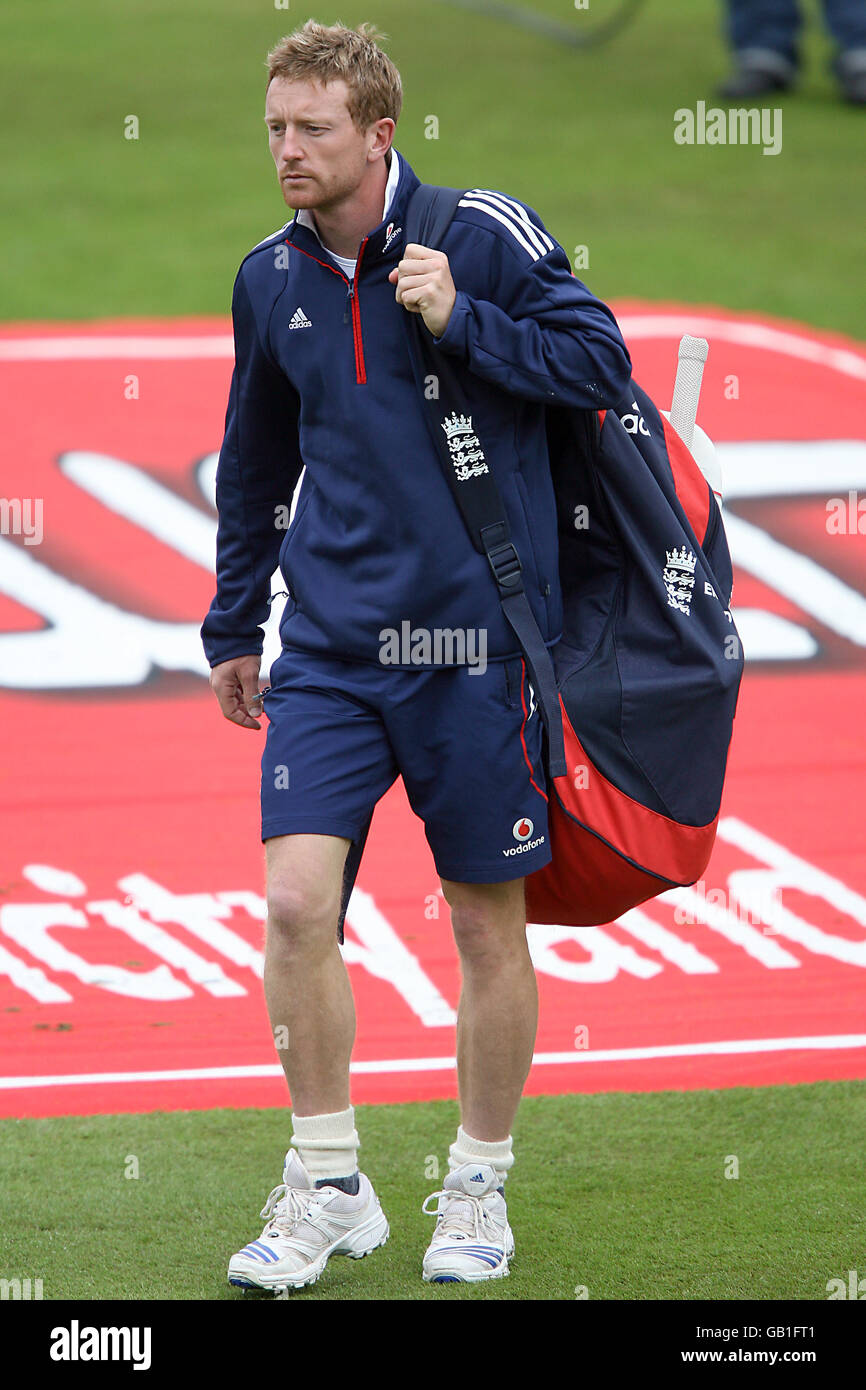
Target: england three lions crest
679,578
466,452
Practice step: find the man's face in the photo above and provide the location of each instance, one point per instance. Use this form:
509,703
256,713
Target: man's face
320,155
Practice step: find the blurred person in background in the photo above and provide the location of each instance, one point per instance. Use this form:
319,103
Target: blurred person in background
765,34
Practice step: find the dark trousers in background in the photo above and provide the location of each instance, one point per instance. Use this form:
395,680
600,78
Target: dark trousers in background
768,31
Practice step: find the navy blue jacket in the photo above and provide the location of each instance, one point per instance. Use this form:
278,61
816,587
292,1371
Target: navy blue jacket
377,538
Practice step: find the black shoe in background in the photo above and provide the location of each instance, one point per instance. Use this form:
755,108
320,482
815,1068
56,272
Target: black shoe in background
753,82
850,70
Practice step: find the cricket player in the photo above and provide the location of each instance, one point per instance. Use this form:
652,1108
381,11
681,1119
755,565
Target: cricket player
323,385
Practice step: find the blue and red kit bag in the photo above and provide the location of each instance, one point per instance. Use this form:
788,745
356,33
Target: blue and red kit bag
639,693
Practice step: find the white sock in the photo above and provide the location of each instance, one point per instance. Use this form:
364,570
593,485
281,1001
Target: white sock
328,1144
468,1150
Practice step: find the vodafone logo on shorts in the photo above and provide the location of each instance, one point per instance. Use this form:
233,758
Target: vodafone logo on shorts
522,832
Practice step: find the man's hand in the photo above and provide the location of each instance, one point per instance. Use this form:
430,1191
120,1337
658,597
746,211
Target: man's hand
236,685
425,287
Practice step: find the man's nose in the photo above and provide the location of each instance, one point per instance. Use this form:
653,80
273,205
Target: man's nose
290,149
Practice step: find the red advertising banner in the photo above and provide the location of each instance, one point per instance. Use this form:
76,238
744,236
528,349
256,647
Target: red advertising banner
131,890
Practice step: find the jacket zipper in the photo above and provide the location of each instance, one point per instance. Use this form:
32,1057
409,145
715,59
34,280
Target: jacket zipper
351,305
352,301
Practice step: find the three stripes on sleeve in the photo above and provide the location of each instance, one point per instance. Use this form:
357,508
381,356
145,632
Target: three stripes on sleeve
511,215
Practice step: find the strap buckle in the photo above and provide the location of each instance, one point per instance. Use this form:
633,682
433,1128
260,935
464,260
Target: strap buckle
506,566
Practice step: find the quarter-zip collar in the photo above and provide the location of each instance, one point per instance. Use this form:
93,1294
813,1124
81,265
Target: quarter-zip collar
383,242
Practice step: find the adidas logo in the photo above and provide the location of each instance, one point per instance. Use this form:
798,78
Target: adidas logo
299,320
477,1177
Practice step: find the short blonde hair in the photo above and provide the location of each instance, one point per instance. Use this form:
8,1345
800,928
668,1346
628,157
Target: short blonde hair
329,52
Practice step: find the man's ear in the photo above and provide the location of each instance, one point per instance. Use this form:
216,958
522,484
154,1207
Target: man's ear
382,135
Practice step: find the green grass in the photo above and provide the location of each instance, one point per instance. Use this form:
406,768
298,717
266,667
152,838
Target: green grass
94,224
623,1194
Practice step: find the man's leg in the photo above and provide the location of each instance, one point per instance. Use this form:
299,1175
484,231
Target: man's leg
469,744
322,731
764,35
310,1002
498,1013
496,1026
307,988
328,1207
846,20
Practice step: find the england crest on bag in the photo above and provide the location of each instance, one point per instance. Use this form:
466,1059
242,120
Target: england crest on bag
648,668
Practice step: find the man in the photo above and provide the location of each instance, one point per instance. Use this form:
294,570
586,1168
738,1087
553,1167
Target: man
323,382
764,35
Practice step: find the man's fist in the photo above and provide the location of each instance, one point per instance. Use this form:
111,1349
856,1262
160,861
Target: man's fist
425,287
236,685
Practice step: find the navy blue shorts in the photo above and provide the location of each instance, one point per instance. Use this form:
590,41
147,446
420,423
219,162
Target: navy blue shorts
467,743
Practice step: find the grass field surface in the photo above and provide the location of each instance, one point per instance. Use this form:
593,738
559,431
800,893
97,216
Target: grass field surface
625,1196
95,224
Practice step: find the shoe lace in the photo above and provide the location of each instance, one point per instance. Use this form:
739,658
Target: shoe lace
477,1221
287,1206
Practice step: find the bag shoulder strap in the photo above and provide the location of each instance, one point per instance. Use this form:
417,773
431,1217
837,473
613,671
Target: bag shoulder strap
471,476
428,217
430,213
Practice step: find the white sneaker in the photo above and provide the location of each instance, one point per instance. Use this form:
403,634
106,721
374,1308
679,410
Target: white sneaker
305,1226
473,1239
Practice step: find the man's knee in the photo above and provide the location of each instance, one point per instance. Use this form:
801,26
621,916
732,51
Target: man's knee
296,912
304,888
486,918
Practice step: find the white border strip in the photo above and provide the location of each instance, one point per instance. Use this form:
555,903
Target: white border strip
738,1046
754,335
638,324
111,349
